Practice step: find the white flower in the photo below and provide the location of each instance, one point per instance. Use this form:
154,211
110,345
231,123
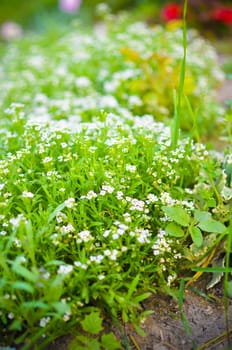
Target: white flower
70,202
44,321
131,168
113,255
91,194
101,277
84,236
67,229
15,222
66,316
27,194
47,160
83,82
65,269
98,259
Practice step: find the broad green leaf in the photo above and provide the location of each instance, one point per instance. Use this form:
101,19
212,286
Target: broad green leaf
92,323
174,230
178,215
23,286
201,215
82,342
212,226
110,342
196,235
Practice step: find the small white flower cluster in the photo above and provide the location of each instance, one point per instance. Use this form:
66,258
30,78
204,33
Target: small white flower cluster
65,269
65,229
84,236
26,194
44,321
142,235
131,168
15,222
162,244
164,251
106,189
70,202
81,265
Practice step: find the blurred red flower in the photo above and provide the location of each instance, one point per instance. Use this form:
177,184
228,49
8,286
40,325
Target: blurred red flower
222,14
171,11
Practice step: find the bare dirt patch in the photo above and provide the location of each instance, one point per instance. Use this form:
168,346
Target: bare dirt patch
164,329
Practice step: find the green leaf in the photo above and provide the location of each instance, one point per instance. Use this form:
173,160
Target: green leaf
56,211
92,323
141,297
16,325
201,215
133,286
60,307
24,272
212,226
35,304
211,202
110,342
174,230
82,342
196,235
179,215
23,286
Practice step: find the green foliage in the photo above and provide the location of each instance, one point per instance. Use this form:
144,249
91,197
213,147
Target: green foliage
98,209
92,323
179,215
129,66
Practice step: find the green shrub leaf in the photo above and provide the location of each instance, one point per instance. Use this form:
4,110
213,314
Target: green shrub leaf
92,323
110,342
23,286
174,230
196,235
212,226
179,215
201,215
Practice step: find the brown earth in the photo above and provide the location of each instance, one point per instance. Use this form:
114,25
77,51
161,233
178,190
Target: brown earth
164,329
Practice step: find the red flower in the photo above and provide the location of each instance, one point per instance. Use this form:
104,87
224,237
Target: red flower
222,14
171,12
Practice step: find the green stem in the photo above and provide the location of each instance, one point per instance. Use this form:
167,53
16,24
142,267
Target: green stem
177,104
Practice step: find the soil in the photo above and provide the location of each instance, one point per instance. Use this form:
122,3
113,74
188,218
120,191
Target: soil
165,330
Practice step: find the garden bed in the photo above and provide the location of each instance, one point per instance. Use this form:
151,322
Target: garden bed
107,208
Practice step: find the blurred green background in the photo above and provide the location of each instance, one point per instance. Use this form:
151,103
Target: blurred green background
36,13
25,12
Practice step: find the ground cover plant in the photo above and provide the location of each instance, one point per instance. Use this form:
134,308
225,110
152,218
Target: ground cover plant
99,207
130,69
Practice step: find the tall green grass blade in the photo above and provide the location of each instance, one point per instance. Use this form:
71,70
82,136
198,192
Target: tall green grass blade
195,133
177,105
